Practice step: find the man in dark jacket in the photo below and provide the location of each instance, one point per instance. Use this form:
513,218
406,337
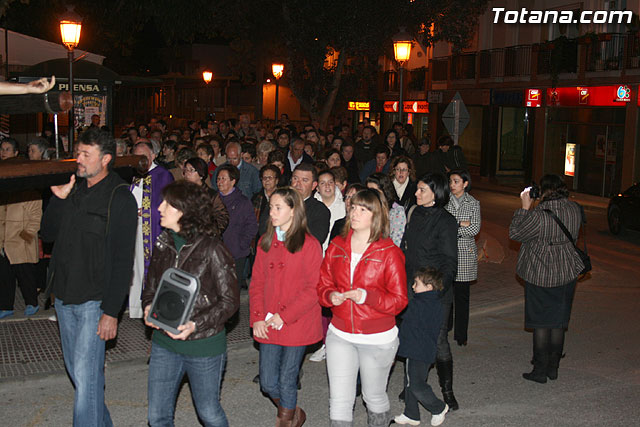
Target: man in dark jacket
93,222
305,180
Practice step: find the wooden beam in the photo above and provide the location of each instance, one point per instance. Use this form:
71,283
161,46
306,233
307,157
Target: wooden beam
50,102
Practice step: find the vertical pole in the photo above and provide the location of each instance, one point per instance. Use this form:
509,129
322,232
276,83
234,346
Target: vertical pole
275,119
71,111
55,135
401,90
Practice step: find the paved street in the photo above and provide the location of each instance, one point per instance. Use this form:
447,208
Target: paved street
599,381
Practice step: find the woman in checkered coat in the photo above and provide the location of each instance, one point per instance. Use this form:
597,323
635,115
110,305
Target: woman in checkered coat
466,209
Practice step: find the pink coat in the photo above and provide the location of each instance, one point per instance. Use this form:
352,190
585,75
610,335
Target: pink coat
285,283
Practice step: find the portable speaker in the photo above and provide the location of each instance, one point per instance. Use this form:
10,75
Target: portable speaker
173,302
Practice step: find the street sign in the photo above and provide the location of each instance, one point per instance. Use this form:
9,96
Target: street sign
456,117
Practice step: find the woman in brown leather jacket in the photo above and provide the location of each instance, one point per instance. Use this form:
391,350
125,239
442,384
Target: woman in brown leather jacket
190,243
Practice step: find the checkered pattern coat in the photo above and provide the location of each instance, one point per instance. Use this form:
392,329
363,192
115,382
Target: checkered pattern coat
468,210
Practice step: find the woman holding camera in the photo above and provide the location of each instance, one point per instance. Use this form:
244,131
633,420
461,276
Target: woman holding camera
284,309
549,265
363,281
189,243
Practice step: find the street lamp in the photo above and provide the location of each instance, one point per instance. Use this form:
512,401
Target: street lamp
277,70
402,51
207,76
70,28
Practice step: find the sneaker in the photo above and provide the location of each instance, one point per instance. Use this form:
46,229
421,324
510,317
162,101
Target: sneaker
53,318
319,355
5,313
30,310
438,419
404,420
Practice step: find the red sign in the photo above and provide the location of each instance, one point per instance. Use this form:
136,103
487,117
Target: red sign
391,107
534,98
421,107
592,96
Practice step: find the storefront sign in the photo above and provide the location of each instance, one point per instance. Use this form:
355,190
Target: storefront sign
416,107
570,160
592,96
79,87
359,106
534,98
421,107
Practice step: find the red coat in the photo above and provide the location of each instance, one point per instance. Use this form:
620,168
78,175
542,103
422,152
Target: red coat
380,272
285,283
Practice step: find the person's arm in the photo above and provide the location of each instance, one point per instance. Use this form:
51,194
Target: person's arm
224,285
32,219
220,214
326,282
37,86
257,311
448,238
393,299
473,226
318,220
121,238
300,302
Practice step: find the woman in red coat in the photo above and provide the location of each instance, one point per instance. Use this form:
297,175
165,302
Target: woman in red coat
363,280
285,313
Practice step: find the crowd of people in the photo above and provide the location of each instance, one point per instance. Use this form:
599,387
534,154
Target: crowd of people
361,241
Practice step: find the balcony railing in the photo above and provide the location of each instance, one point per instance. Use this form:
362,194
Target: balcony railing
517,61
633,51
463,66
491,63
563,53
606,53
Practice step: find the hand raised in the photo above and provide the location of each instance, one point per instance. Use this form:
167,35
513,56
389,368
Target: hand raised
62,191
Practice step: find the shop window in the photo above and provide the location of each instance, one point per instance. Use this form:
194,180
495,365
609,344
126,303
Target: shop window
512,138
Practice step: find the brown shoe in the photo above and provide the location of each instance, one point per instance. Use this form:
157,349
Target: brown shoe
285,417
299,417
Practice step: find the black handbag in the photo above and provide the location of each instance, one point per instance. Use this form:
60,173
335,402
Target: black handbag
584,256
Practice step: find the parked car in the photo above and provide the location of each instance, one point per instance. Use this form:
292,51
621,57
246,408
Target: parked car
624,210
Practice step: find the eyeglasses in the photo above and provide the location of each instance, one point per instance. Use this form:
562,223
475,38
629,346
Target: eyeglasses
268,178
187,170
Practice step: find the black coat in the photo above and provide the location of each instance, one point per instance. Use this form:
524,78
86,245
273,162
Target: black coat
92,258
318,218
420,327
431,240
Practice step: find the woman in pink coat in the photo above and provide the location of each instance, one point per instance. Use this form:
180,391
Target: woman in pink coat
285,313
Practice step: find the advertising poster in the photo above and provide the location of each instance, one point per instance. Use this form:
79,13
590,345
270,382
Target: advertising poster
570,160
88,105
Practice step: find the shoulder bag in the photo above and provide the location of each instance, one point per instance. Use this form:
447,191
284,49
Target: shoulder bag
584,256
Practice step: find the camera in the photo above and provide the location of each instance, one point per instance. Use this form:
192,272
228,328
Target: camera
534,191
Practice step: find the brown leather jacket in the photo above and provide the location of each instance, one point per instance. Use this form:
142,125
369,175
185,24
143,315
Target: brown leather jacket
207,258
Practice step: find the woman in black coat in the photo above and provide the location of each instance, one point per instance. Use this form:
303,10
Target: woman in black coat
430,240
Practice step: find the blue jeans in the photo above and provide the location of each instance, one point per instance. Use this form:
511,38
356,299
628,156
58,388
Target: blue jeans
279,368
83,352
166,370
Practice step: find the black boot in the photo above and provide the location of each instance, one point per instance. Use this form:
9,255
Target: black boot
445,377
539,372
554,363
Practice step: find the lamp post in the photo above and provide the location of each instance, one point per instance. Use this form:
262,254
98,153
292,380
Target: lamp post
402,51
70,28
277,70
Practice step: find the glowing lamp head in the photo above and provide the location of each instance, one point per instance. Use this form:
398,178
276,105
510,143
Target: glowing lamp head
207,76
70,28
402,46
277,70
